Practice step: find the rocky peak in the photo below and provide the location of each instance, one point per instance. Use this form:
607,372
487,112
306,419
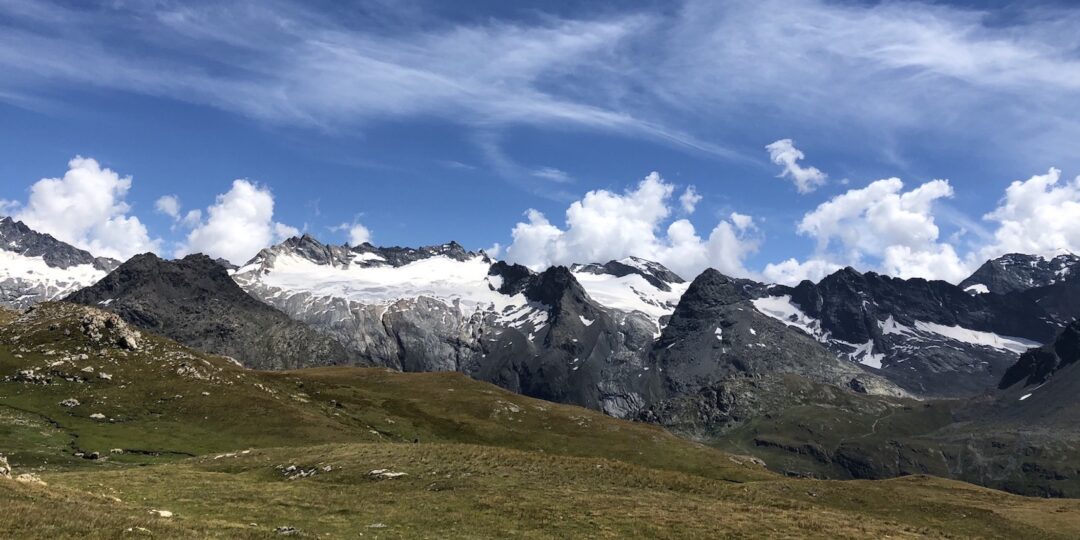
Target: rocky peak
194,301
16,237
400,256
515,277
851,306
366,254
1036,366
656,274
1017,272
711,290
555,287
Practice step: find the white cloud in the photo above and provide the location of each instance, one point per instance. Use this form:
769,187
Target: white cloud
689,200
86,208
552,174
881,225
667,73
168,205
604,225
494,251
7,207
192,218
1040,215
784,153
356,232
359,234
936,261
742,221
792,272
238,225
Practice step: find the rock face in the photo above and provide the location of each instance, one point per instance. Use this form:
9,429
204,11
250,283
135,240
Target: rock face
194,301
1036,366
717,340
442,308
930,337
1017,272
36,267
655,273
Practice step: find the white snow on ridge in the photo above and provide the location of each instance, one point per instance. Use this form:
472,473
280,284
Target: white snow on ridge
890,326
784,310
976,337
864,354
54,281
462,283
977,288
631,293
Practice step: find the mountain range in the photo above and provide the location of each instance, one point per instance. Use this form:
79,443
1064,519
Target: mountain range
856,376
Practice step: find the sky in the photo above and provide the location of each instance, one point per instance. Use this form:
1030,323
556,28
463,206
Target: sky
778,140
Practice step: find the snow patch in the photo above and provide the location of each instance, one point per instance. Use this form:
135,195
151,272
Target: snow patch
784,310
864,354
462,284
631,293
52,282
977,288
976,337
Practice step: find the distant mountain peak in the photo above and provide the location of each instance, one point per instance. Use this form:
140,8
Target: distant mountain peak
1015,272
656,274
366,254
17,237
36,267
194,301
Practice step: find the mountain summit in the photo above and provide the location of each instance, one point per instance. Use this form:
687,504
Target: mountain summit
194,301
36,267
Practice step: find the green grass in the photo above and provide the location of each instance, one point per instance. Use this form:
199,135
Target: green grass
212,446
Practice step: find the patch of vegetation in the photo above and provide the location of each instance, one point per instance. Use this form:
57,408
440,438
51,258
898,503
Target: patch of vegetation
234,453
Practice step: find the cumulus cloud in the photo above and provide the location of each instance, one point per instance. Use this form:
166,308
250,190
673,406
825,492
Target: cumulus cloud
359,234
792,271
689,199
168,205
879,225
1039,215
7,207
784,153
238,225
356,232
604,225
87,208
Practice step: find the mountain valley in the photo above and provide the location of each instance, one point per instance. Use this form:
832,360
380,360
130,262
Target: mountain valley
475,376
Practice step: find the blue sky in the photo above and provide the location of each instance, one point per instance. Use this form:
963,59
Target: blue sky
431,121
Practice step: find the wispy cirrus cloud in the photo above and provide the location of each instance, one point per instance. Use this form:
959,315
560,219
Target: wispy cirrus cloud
685,76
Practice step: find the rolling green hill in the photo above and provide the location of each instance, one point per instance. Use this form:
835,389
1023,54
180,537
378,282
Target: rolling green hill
119,425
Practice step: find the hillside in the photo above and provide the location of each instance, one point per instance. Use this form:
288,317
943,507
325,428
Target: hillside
236,453
194,301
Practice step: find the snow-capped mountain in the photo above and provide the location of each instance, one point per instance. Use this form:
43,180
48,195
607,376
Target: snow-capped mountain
931,337
194,301
593,334
442,308
633,284
36,267
1018,272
